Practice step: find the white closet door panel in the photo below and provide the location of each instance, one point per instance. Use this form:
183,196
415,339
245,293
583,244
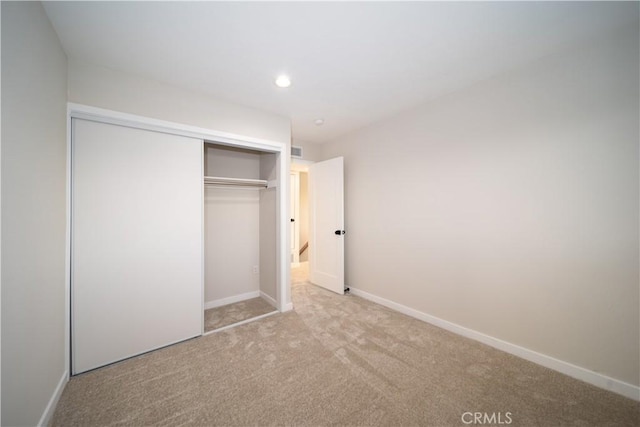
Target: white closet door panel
136,241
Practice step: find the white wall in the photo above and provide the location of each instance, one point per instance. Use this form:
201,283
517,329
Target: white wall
115,90
511,207
34,89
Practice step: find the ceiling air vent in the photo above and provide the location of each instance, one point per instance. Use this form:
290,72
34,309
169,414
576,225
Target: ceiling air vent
296,152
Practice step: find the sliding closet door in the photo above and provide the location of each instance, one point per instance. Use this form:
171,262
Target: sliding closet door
136,241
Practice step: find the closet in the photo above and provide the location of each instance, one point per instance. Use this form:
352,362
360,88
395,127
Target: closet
240,228
165,223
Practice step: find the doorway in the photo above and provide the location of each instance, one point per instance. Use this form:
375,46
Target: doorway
299,219
324,213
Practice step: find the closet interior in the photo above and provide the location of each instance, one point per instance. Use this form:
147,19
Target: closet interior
240,218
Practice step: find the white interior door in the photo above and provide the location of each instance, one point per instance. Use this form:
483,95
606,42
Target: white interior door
137,236
326,224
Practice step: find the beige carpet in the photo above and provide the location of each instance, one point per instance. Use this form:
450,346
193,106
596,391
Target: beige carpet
334,360
219,317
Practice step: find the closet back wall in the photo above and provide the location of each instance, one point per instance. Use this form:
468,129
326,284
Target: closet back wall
232,220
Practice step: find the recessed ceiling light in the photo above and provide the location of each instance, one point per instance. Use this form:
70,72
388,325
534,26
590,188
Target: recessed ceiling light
319,122
283,81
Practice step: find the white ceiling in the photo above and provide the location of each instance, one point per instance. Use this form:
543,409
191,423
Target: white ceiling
351,63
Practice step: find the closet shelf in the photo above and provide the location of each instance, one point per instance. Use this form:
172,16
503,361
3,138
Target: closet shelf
239,182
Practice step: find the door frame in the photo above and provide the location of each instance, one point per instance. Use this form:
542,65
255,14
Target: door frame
280,148
297,166
295,215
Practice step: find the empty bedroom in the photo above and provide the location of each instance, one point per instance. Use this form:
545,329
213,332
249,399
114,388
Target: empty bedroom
320,213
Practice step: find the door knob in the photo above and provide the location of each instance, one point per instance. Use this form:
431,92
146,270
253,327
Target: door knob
339,232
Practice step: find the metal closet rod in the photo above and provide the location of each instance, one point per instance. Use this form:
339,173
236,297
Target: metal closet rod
243,182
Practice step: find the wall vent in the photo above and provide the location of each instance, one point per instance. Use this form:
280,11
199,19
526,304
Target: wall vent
296,152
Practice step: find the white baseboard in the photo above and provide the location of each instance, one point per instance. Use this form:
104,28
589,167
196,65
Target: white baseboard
230,300
288,307
625,389
268,298
47,415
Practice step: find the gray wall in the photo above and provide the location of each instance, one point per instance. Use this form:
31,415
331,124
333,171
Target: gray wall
34,91
231,162
304,209
268,228
310,150
232,224
511,207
